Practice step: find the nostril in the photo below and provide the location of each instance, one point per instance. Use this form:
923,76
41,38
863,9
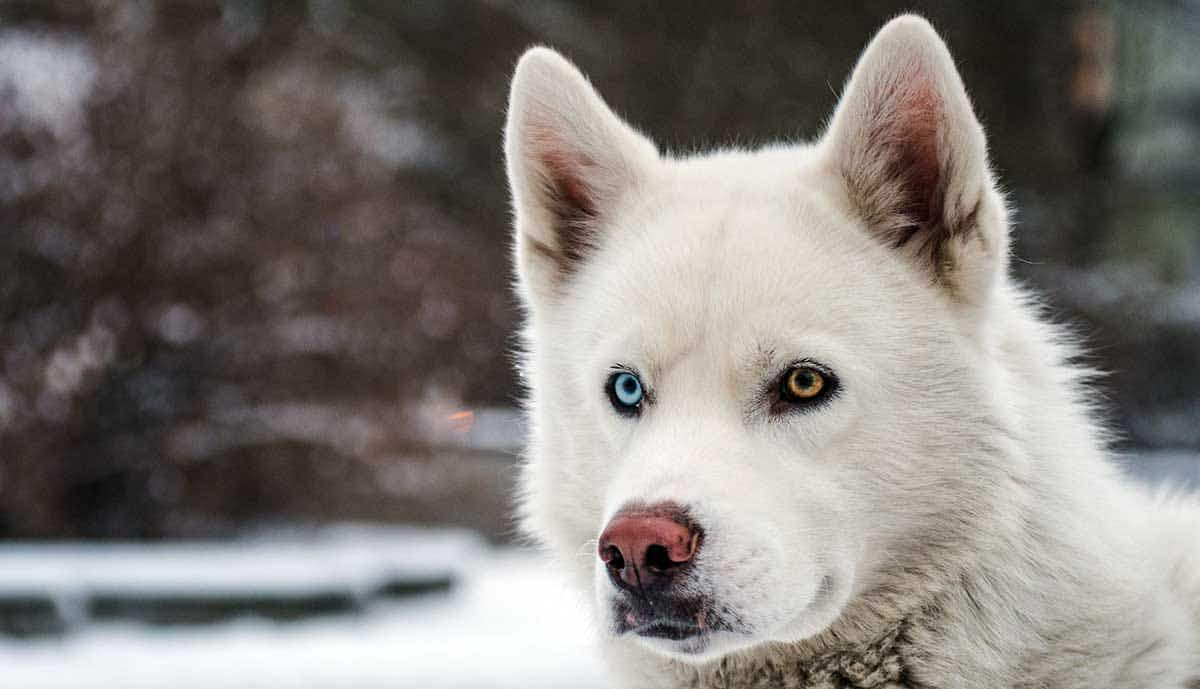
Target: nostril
658,558
611,555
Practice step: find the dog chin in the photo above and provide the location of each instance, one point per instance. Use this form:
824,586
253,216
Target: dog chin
697,648
687,629
690,644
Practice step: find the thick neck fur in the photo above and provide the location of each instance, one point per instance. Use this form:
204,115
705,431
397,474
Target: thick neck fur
1056,597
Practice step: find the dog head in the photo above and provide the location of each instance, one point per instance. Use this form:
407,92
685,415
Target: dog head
755,377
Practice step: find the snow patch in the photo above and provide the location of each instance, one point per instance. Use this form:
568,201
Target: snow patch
510,623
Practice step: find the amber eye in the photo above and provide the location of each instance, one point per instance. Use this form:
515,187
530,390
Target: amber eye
803,384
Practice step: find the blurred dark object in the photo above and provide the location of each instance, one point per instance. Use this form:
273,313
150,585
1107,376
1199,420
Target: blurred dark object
254,265
54,589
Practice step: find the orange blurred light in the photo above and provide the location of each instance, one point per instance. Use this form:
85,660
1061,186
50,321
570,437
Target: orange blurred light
461,421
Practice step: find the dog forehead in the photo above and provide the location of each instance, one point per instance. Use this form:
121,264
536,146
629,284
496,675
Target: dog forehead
737,267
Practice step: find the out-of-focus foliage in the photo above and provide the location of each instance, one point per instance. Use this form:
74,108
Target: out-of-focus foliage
254,254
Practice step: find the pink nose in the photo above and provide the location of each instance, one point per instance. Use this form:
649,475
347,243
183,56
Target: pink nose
647,545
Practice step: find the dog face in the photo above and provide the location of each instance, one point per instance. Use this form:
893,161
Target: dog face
755,377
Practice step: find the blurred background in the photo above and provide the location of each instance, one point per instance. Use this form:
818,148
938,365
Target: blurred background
257,420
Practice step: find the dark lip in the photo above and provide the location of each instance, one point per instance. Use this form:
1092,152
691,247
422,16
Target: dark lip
668,629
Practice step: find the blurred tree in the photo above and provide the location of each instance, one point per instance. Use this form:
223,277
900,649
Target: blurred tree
255,251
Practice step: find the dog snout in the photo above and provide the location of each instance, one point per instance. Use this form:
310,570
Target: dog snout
646,547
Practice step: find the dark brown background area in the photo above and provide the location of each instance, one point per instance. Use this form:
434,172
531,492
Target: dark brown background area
253,263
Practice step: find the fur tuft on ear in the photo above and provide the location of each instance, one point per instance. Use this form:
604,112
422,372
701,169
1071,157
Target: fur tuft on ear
913,157
570,160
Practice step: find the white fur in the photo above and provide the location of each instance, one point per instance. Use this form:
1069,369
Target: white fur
957,481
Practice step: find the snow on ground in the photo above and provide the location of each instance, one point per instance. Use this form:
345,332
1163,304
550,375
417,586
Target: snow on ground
358,558
507,623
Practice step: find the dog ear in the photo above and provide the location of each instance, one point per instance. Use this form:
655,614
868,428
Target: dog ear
913,158
570,161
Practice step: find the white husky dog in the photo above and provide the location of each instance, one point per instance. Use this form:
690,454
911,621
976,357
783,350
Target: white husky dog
794,425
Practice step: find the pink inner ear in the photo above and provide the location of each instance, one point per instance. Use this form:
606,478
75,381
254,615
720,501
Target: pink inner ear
916,121
566,195
922,114
563,169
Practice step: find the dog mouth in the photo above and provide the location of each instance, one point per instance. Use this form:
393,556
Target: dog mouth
685,625
672,630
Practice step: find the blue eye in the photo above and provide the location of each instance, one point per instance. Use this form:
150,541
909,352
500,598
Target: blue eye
625,392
